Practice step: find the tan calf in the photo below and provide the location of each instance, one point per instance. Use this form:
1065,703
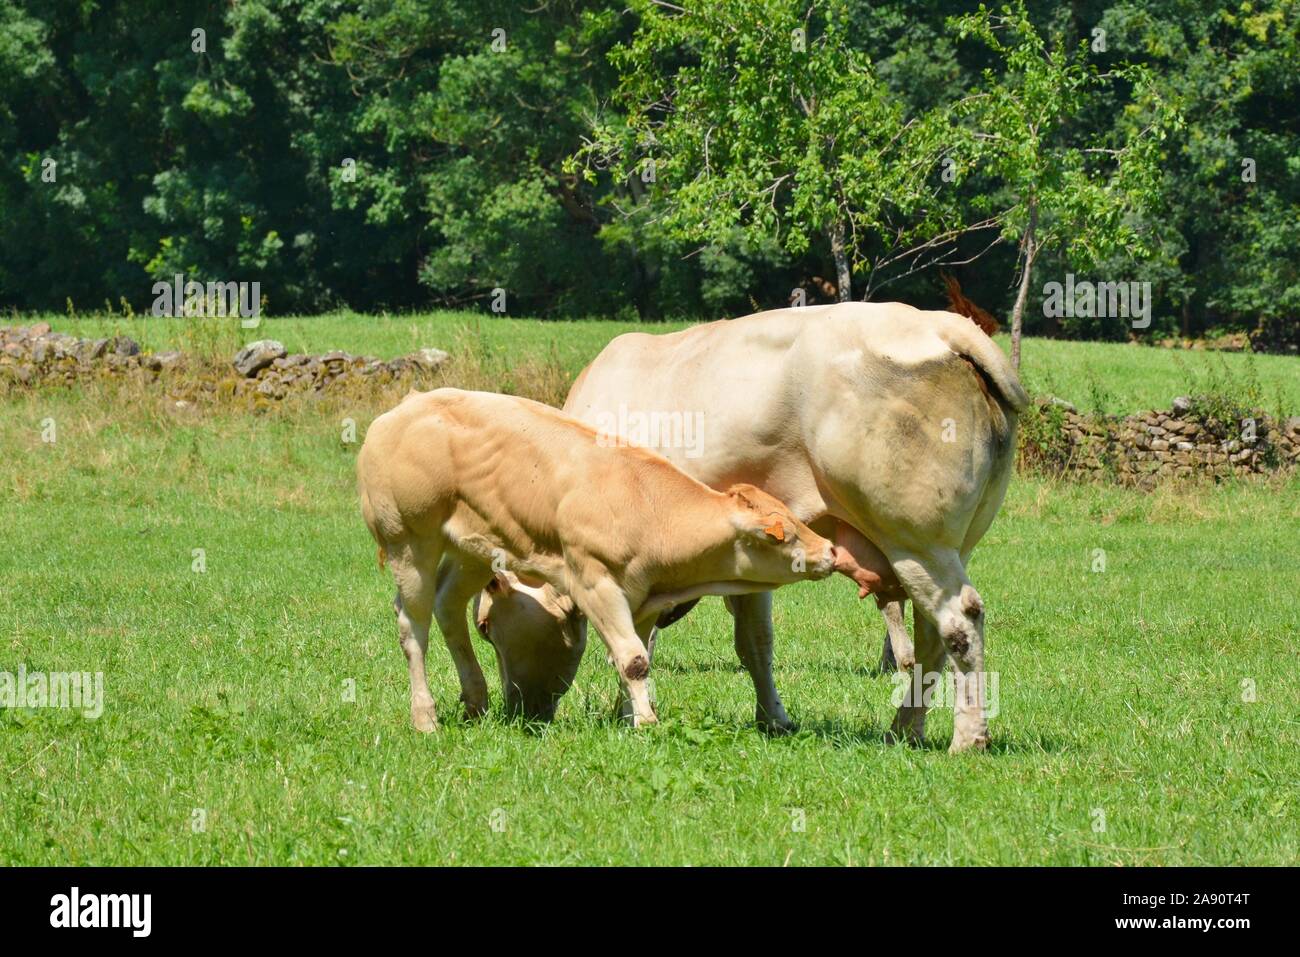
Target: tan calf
456,485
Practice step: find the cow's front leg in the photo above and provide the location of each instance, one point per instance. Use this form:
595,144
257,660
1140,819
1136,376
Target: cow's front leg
753,639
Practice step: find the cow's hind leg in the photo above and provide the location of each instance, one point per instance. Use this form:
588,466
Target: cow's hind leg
874,575
931,658
457,582
898,653
414,607
943,594
753,640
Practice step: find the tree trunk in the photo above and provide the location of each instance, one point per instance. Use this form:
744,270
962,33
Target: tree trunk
843,278
1018,313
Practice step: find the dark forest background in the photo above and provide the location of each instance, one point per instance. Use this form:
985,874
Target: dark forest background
127,156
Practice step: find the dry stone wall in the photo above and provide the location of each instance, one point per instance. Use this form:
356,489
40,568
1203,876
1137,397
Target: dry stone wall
1147,448
1143,449
32,355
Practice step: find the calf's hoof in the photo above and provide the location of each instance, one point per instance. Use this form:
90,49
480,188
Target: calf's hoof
475,707
424,718
641,720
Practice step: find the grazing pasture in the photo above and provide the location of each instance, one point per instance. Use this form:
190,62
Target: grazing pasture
256,701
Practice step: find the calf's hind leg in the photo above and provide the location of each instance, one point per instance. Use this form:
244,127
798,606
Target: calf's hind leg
414,607
646,631
457,582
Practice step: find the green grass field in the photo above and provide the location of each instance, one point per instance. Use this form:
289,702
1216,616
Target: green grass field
256,711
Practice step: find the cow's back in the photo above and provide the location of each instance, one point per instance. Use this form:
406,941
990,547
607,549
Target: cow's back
910,413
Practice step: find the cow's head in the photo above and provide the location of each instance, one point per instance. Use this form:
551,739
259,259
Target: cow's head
774,547
538,636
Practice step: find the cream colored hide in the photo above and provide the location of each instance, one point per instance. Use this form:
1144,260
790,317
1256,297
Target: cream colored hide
456,486
875,422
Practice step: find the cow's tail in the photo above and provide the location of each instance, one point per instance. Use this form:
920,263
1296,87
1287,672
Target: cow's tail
966,339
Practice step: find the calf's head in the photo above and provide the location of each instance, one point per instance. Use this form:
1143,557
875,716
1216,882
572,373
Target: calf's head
538,636
772,546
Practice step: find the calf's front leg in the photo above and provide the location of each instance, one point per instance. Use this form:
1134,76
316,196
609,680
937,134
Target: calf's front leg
606,607
647,632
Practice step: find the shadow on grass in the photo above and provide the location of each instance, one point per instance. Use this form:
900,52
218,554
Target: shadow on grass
862,669
834,731
841,734
1026,742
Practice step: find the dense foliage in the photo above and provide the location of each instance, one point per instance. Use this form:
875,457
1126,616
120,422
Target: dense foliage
653,159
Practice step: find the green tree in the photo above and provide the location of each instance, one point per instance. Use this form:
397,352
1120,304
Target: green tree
756,118
1065,188
1230,190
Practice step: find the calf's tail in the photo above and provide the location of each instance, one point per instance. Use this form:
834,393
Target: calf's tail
372,523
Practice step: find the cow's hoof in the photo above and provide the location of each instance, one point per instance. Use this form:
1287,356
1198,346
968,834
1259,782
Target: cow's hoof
424,719
775,725
893,738
475,708
960,743
905,731
641,721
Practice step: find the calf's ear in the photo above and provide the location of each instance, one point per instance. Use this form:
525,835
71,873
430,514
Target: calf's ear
500,584
740,494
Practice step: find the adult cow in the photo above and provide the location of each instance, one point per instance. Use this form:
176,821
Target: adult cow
876,422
